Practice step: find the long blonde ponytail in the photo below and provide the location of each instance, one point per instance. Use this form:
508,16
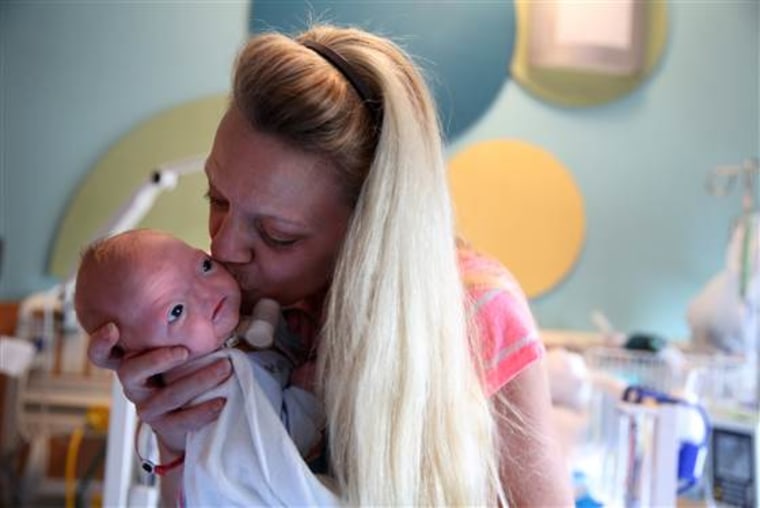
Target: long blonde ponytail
409,422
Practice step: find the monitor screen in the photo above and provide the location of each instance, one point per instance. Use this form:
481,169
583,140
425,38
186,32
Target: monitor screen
733,455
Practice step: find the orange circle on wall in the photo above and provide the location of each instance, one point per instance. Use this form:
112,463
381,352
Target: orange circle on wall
518,203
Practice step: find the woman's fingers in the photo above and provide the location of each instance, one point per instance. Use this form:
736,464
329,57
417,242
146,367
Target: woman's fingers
102,349
193,418
138,373
172,428
181,391
164,409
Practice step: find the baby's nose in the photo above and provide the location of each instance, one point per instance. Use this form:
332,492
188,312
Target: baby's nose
207,297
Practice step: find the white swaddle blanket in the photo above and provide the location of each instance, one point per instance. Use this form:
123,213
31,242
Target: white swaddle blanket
246,457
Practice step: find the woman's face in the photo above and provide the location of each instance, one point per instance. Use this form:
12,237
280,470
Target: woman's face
276,217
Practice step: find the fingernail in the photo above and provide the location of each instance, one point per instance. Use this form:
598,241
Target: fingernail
180,353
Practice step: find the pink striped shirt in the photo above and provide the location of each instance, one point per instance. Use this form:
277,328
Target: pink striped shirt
509,333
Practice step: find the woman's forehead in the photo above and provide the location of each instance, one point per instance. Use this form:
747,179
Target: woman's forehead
264,175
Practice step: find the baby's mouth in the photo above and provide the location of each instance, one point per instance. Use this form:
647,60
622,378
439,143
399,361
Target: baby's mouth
218,308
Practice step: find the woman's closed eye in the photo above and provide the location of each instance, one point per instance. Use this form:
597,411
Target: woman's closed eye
207,265
215,201
176,312
276,240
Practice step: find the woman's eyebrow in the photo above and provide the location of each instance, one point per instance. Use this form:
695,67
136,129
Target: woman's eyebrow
269,216
286,220
260,216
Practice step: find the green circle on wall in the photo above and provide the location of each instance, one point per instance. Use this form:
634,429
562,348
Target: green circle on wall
179,133
576,88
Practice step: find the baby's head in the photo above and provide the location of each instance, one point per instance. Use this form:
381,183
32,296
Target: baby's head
158,290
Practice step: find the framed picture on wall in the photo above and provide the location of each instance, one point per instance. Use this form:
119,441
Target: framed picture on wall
603,36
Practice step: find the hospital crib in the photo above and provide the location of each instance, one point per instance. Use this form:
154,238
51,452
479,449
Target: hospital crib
709,380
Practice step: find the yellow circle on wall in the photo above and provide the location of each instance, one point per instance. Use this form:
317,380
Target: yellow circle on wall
518,203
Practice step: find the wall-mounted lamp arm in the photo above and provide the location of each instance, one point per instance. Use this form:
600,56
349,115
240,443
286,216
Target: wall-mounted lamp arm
165,177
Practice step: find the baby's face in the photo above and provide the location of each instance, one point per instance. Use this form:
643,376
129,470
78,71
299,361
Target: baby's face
185,298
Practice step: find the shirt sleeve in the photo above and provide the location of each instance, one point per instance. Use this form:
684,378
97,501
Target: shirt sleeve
509,339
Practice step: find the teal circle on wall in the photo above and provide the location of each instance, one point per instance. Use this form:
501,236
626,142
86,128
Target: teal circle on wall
464,48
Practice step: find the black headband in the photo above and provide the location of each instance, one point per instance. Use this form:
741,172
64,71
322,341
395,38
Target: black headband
374,106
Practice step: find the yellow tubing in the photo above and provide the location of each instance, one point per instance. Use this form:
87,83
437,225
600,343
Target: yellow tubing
97,418
71,466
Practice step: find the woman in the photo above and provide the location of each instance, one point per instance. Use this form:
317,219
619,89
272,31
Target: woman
328,193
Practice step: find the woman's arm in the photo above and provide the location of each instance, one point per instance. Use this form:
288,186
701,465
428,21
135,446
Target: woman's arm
533,470
162,407
170,482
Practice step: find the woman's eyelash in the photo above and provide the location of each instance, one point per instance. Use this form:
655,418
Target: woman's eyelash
278,242
214,200
206,265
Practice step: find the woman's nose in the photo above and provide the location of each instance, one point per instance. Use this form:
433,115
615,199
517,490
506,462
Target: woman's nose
230,242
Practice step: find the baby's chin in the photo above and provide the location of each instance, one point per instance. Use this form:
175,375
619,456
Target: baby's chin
224,328
210,347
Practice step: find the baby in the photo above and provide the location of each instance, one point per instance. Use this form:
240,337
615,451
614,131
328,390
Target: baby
161,292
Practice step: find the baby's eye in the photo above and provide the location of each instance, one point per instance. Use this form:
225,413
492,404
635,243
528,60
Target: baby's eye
207,265
176,312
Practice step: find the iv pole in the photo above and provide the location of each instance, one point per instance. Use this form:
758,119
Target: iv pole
720,182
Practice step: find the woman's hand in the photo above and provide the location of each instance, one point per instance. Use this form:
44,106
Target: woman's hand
161,406
103,350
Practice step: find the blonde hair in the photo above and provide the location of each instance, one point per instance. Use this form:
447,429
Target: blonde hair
409,422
